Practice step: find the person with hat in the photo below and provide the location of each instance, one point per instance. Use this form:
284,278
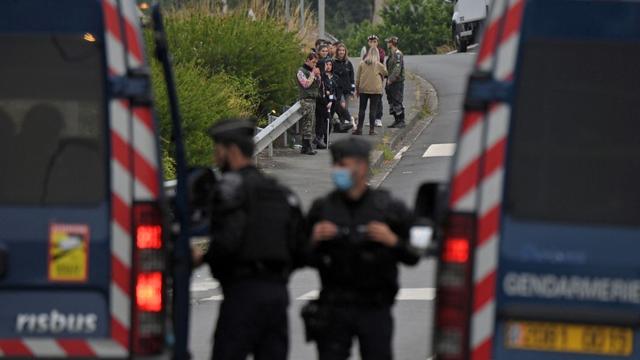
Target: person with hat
358,236
395,83
257,239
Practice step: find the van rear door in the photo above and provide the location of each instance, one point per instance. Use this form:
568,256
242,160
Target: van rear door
568,255
78,178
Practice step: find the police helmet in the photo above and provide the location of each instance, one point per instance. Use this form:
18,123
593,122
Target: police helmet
238,131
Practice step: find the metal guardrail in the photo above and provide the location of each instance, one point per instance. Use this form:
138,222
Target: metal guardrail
263,138
271,132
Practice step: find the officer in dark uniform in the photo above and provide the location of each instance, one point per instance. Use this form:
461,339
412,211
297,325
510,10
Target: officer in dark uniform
358,236
257,240
395,83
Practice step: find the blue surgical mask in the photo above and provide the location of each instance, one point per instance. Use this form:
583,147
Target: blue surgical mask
342,178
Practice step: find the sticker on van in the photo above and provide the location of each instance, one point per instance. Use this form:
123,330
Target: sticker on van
68,252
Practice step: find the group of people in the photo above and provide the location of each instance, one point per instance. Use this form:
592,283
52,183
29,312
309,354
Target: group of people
355,236
327,81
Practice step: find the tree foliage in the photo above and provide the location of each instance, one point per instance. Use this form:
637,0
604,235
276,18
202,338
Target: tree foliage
225,66
421,25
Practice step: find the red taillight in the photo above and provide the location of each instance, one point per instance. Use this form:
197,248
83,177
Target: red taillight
149,292
149,237
453,309
456,250
148,320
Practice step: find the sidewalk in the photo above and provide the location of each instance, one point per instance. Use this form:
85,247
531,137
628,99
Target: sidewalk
310,176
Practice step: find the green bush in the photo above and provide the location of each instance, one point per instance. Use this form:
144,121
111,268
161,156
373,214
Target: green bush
203,100
421,25
262,50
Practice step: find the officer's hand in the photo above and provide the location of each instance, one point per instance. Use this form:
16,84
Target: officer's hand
381,233
324,230
197,256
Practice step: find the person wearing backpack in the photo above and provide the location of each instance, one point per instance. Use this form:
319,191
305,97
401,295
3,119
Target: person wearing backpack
257,240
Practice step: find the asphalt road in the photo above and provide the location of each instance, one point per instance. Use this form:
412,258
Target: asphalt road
413,311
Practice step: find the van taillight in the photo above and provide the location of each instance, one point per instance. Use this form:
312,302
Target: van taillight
148,319
453,308
149,292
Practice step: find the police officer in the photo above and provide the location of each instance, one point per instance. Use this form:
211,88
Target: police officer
257,240
395,83
308,80
359,235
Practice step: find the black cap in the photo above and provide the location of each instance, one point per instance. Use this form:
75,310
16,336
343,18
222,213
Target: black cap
232,130
350,147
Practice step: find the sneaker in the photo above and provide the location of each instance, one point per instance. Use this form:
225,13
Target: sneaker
378,123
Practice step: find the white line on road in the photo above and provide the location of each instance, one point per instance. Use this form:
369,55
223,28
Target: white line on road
405,294
439,150
400,153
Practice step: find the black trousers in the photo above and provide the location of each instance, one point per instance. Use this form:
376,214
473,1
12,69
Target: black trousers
371,325
374,101
322,117
380,110
253,320
395,94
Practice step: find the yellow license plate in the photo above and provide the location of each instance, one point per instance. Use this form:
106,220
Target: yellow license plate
575,338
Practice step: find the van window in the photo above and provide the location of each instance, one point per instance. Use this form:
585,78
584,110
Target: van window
574,151
52,121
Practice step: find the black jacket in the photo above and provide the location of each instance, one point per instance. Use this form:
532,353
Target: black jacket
354,269
329,87
246,205
344,70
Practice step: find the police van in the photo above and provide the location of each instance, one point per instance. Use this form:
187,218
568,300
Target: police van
84,240
539,255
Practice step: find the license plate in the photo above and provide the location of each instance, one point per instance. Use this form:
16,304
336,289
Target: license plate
574,338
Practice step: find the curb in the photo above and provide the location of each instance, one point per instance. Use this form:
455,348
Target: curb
430,98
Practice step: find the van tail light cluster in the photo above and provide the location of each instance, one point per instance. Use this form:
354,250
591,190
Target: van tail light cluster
148,319
453,308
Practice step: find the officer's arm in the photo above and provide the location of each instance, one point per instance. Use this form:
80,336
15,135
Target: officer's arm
298,232
401,222
313,217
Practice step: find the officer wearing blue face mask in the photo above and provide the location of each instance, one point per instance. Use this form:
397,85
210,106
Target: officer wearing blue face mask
358,235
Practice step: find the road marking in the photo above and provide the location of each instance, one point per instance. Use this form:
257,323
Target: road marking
424,294
405,294
400,153
439,150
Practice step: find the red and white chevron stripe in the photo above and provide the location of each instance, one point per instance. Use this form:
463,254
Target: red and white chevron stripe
135,176
479,169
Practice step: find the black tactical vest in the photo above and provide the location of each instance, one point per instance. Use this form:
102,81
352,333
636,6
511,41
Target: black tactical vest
352,266
268,234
